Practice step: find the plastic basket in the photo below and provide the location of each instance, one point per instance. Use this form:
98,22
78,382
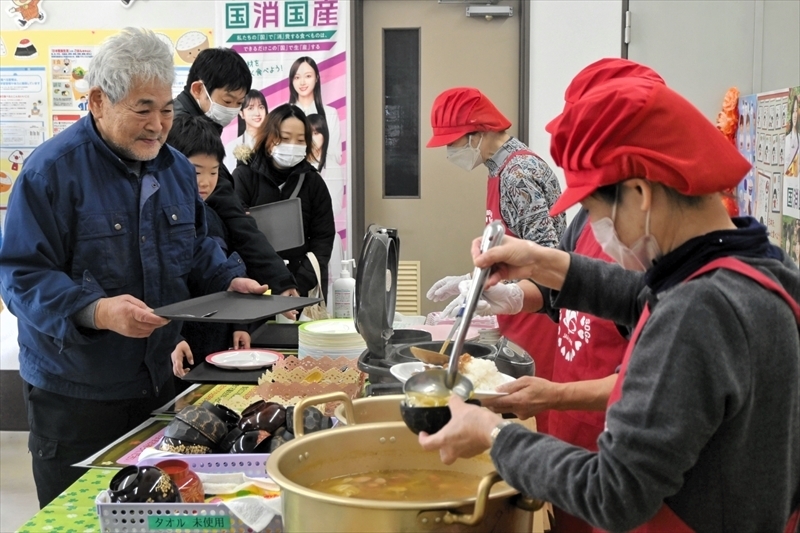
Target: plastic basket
187,517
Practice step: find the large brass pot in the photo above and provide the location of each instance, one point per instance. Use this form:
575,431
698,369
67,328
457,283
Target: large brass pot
372,409
359,448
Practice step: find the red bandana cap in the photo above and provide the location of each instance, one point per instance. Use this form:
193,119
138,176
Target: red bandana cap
599,72
637,127
457,112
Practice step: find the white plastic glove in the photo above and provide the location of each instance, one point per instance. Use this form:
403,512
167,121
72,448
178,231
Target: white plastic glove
502,299
446,287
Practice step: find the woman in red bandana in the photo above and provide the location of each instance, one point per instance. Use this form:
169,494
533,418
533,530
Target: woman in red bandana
520,190
703,424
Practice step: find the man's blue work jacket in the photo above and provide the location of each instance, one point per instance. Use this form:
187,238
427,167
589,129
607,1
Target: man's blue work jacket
80,226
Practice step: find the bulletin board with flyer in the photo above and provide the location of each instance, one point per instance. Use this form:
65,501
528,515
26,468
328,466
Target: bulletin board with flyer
768,135
43,87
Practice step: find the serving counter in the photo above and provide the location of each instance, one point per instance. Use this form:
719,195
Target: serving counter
75,509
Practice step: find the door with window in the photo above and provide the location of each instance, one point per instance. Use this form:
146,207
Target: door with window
414,50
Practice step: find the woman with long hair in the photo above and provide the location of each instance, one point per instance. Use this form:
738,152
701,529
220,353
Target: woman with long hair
279,160
305,91
251,117
320,140
334,179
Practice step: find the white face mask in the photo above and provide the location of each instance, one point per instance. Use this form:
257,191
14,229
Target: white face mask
219,113
638,257
466,156
287,155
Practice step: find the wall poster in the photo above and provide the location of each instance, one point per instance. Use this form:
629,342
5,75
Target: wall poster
297,53
790,146
769,136
43,87
769,158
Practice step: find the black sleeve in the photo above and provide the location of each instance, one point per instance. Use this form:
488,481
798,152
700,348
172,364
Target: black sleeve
320,236
323,228
262,262
242,180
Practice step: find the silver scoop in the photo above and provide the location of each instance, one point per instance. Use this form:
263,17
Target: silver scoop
433,382
440,383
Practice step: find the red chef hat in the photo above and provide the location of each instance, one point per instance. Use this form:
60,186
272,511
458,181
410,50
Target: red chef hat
457,112
638,127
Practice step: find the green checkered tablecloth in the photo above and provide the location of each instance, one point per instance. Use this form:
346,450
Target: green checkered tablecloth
74,510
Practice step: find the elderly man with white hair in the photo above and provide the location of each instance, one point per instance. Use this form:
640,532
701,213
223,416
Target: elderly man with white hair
104,224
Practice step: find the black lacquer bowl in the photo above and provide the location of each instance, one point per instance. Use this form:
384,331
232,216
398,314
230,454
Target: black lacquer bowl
143,484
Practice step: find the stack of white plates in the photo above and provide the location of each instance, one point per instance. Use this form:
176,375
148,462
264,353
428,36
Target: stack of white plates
489,336
335,338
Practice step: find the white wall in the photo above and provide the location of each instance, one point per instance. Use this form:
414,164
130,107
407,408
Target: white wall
112,14
704,47
565,37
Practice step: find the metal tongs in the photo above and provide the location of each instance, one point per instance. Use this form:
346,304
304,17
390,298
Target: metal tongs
492,236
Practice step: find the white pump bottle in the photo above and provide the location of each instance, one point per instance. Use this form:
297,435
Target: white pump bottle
344,289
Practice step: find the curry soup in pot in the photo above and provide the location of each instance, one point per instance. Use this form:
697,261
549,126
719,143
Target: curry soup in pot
409,485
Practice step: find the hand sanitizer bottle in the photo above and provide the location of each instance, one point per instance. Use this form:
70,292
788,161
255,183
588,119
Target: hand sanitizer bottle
344,290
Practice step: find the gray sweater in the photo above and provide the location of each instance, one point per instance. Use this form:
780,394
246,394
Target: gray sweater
709,419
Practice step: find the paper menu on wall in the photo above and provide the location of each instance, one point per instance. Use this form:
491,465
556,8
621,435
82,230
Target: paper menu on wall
768,147
69,66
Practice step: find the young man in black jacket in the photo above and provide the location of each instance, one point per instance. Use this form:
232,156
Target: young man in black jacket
216,86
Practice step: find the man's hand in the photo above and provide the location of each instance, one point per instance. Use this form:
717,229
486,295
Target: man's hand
181,352
247,286
527,396
466,435
291,315
127,316
241,340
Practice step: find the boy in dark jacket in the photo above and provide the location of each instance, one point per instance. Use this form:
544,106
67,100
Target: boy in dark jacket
197,139
215,88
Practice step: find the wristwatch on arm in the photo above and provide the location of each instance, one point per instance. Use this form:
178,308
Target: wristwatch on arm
497,429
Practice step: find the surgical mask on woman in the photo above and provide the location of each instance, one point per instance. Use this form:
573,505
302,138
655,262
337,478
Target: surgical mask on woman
640,256
286,155
466,156
219,113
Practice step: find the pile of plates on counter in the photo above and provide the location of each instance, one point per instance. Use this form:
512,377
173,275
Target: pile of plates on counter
489,331
335,337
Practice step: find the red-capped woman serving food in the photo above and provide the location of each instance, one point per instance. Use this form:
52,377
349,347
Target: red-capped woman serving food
703,425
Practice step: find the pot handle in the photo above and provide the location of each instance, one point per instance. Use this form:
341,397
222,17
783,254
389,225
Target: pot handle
484,487
316,400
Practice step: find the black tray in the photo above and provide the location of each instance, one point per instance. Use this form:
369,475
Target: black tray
232,307
276,336
208,373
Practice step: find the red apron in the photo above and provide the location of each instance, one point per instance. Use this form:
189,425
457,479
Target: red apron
665,520
534,332
588,348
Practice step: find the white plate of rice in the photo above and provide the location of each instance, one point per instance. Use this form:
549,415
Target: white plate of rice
483,374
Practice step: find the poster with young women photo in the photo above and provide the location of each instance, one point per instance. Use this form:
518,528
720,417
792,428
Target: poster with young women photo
283,40
251,117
